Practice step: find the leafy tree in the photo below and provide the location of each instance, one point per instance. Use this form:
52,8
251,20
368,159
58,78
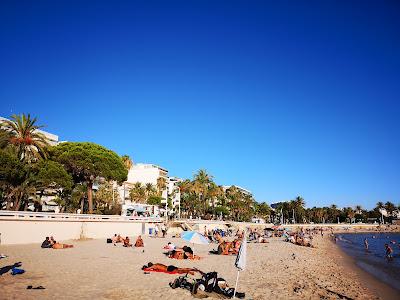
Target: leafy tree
14,175
128,163
390,207
161,185
138,193
21,133
51,174
106,197
88,161
150,190
154,200
263,210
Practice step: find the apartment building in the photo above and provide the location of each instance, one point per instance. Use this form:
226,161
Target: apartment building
150,173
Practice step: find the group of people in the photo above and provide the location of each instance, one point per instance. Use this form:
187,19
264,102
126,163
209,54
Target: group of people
50,242
162,228
126,242
179,253
387,247
301,238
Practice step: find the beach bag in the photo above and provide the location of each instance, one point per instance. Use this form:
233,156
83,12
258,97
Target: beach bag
16,271
109,241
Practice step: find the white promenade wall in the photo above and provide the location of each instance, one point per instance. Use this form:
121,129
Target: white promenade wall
28,229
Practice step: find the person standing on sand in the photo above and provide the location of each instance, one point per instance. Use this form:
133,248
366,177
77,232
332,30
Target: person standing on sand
163,230
366,244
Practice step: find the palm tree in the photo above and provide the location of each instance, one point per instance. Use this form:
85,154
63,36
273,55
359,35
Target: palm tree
150,190
214,193
201,184
390,207
161,184
187,199
128,163
21,132
358,209
333,213
138,193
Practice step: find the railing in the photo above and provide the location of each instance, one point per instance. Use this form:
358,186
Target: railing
27,215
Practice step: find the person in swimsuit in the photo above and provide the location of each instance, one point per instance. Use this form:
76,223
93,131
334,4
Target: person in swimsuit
170,269
389,252
127,242
366,244
62,246
139,242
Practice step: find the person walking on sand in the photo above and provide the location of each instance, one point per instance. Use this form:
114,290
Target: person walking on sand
366,244
163,230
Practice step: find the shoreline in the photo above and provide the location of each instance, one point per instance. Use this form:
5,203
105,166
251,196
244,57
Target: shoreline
379,288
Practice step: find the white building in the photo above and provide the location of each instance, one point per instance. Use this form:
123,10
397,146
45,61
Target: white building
174,192
150,173
243,190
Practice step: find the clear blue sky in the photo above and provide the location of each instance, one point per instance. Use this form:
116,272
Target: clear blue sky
281,97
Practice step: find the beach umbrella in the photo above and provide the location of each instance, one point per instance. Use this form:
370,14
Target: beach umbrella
194,237
240,262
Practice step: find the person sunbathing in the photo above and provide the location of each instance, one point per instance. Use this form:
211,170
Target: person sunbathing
119,239
177,254
46,243
169,269
62,246
139,242
236,246
170,246
127,242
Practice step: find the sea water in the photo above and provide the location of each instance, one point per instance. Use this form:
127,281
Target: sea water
374,260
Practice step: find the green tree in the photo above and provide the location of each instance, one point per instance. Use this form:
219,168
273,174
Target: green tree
390,208
138,193
88,161
128,163
200,186
14,175
106,197
154,200
51,176
263,210
150,190
21,133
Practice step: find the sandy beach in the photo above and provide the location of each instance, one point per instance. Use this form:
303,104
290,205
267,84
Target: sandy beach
94,269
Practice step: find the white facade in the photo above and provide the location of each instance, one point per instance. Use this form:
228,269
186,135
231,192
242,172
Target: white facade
174,191
243,190
150,173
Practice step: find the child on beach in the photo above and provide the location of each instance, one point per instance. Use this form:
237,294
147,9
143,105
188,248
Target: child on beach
389,252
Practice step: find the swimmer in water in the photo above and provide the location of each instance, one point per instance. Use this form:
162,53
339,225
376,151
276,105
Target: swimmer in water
389,252
366,244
